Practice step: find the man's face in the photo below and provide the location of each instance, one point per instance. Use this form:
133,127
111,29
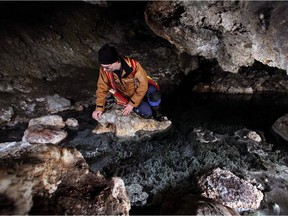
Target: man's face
110,67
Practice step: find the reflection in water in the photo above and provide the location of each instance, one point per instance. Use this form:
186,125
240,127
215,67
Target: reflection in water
226,113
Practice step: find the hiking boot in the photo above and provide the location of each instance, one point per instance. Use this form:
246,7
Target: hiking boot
160,118
157,114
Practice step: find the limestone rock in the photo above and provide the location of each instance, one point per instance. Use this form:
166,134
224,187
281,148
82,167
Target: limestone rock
56,103
254,136
234,33
137,194
280,127
248,80
206,136
52,121
42,135
230,190
48,179
252,140
113,121
107,128
72,122
118,197
45,129
6,114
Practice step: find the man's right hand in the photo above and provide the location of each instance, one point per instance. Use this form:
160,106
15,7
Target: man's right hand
96,115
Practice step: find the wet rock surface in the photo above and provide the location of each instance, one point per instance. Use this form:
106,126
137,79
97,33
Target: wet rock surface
128,126
234,33
280,127
43,135
231,190
45,130
47,179
257,79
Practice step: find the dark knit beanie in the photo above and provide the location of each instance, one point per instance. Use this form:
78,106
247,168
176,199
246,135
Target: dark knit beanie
107,54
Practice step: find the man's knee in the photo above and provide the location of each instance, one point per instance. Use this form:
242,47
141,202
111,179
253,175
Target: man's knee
154,99
155,96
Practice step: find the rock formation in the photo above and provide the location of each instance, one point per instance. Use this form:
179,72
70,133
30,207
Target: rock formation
44,130
47,179
236,33
230,190
128,126
280,127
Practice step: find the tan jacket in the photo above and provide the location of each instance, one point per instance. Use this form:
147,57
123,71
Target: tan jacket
134,88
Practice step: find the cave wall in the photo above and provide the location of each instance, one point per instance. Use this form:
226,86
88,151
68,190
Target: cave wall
236,33
48,50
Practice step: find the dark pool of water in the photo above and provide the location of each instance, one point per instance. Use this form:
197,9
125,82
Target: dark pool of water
216,112
226,113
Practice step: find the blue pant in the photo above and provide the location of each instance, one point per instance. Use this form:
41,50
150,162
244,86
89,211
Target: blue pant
151,99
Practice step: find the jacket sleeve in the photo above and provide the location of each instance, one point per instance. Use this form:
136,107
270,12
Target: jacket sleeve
102,91
142,86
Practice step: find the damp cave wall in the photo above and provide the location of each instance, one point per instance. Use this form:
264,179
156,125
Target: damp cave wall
50,48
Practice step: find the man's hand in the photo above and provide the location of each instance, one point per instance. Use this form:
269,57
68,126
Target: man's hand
96,115
128,108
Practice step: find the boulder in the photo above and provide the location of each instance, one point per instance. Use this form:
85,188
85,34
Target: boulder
44,130
40,134
52,121
48,179
56,103
235,33
230,190
280,127
72,122
122,126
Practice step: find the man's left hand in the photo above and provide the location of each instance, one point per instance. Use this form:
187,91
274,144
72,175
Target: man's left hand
128,108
